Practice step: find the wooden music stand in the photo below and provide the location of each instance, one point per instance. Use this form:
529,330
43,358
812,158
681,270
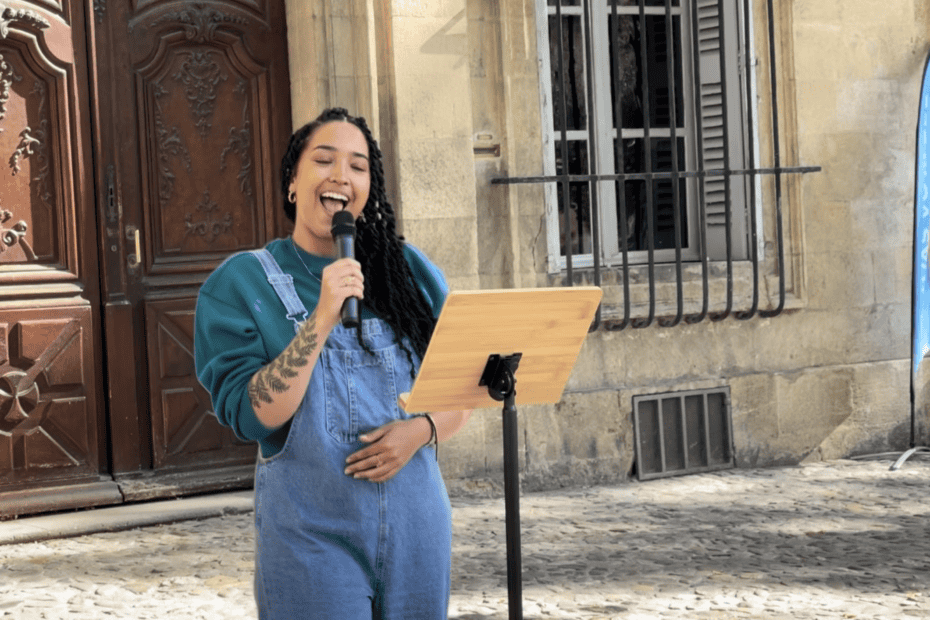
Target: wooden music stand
480,340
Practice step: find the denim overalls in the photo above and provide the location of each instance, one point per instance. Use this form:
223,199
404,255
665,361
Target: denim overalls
332,547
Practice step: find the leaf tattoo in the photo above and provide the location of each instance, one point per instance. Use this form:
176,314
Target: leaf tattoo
275,376
258,392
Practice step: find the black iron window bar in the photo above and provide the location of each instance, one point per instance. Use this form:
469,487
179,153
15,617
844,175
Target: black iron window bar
649,176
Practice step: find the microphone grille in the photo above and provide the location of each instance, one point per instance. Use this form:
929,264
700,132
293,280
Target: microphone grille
343,224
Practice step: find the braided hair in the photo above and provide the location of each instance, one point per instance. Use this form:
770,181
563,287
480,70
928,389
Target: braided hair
390,289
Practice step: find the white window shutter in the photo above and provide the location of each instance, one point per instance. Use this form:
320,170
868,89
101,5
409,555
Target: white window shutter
715,127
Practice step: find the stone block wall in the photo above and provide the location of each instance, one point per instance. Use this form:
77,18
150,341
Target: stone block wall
453,88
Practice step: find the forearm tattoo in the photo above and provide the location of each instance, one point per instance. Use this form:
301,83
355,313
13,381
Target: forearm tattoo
275,376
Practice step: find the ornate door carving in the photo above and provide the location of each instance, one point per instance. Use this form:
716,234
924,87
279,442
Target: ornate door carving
105,237
52,425
194,115
49,431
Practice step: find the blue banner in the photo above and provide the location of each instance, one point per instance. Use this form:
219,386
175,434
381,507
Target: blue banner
921,291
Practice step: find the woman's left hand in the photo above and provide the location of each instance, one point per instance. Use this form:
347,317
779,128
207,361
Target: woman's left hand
390,448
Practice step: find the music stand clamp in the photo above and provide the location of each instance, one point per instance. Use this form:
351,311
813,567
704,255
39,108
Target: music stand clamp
499,377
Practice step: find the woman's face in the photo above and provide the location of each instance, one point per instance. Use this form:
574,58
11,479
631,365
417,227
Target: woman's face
332,174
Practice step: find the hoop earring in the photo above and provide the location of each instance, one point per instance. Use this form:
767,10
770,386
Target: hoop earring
292,196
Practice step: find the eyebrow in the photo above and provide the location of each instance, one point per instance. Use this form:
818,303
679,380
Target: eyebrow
327,147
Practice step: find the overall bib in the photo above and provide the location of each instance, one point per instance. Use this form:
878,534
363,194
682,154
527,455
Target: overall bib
332,547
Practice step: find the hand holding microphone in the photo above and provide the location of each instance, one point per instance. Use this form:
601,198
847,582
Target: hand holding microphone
343,231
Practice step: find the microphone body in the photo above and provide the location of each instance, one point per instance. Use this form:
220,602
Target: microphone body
343,231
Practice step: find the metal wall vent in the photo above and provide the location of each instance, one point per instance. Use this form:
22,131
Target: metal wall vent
682,432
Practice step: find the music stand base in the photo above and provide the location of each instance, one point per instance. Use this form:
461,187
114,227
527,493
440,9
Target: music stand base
897,464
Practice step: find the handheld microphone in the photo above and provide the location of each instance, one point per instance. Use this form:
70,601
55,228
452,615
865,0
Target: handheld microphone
343,232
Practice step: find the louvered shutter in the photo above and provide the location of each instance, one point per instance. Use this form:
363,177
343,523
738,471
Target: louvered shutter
711,40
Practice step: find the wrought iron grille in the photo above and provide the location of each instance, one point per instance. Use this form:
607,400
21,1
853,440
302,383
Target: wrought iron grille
657,175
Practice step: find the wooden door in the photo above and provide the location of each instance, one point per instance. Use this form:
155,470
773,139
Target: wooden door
193,112
52,415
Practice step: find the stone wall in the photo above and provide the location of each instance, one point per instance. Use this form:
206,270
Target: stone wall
452,87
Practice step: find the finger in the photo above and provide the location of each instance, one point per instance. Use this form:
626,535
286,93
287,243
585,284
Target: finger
369,457
361,455
352,270
340,282
380,474
351,287
362,466
385,477
351,262
345,282
340,269
374,468
375,435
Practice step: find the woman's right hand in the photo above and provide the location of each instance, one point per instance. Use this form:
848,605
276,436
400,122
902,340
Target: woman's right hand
341,280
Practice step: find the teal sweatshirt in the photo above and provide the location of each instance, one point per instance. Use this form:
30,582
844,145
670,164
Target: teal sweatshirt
241,325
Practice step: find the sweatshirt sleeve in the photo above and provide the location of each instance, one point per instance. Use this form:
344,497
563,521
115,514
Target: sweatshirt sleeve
428,276
228,351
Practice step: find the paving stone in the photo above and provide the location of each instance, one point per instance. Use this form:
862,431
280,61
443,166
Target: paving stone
837,540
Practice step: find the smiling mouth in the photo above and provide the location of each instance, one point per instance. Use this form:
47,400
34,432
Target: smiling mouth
334,201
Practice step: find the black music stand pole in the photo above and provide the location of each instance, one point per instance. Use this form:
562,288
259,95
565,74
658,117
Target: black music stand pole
499,378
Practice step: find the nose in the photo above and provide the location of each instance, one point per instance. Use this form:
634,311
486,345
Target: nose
338,173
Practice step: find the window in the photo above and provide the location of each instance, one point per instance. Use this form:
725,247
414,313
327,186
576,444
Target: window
650,88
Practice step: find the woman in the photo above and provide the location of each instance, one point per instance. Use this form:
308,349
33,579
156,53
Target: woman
352,517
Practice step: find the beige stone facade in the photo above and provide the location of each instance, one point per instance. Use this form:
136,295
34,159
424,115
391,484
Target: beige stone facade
452,89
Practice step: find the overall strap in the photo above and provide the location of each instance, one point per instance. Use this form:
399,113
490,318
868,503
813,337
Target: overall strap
284,286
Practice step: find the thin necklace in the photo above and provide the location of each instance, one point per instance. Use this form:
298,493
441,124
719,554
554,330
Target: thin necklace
301,259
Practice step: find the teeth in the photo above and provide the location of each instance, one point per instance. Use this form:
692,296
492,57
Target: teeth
335,196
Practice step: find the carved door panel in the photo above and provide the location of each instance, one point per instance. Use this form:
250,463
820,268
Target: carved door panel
183,423
194,115
52,424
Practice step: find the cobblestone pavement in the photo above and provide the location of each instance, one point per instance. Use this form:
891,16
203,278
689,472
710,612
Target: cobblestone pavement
837,540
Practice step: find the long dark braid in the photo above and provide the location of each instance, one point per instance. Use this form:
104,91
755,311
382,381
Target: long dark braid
390,289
